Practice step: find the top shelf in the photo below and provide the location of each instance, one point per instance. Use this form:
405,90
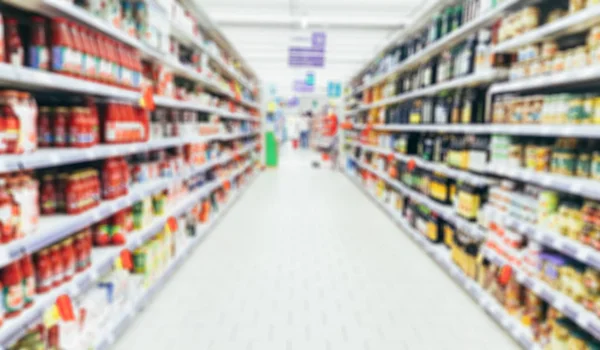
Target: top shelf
58,8
446,42
574,23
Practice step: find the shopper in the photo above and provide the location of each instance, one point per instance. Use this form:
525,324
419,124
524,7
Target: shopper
305,129
330,130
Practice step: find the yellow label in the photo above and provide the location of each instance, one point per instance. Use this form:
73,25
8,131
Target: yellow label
51,316
432,231
439,191
118,264
415,118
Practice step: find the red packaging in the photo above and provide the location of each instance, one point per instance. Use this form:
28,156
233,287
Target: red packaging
61,46
68,256
28,280
72,194
48,195
6,212
57,266
44,128
43,269
76,49
12,129
12,291
15,53
39,58
60,127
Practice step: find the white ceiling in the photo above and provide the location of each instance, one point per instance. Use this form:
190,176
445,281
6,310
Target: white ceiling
261,31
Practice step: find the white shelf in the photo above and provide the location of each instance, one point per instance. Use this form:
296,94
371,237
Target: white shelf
196,106
442,257
587,131
58,8
23,77
570,184
475,79
467,176
50,157
56,227
567,306
568,78
558,242
117,326
447,41
445,211
574,23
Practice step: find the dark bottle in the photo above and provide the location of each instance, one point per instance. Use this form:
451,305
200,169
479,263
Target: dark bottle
456,107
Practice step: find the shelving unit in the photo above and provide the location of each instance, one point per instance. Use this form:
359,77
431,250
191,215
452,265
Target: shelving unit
397,121
191,164
58,8
448,41
476,79
522,335
115,328
104,259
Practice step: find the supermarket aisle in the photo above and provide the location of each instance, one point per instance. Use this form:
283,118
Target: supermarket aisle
304,261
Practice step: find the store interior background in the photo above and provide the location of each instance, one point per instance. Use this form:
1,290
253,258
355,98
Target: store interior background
262,31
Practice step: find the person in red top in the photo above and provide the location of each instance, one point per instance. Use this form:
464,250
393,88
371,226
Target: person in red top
330,127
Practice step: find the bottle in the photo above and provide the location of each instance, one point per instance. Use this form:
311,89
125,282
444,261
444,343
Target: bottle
44,127
68,256
57,266
12,290
60,127
6,212
12,130
48,195
39,57
28,280
15,53
76,49
61,46
456,108
87,59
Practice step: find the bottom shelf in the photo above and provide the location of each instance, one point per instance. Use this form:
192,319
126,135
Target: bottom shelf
442,257
117,327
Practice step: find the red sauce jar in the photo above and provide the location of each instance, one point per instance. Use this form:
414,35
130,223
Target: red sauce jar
80,254
60,127
124,168
61,46
76,49
72,191
39,57
12,291
87,59
68,256
48,195
43,269
6,212
15,53
44,127
57,266
12,130
61,192
28,280
88,243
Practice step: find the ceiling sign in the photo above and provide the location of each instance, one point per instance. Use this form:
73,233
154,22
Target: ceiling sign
302,86
311,55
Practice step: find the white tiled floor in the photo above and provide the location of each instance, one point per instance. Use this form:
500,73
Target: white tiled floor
304,261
